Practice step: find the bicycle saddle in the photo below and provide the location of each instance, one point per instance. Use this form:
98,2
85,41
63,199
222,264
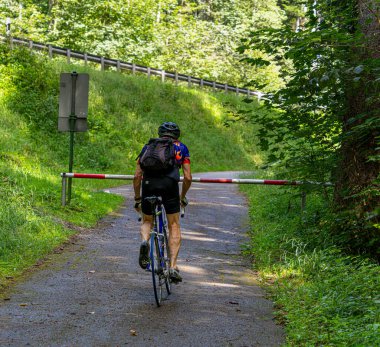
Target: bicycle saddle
154,199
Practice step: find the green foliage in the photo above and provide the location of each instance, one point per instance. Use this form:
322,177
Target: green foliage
328,126
198,38
124,112
324,297
294,9
30,88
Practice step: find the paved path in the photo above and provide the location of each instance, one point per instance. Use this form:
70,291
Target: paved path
94,293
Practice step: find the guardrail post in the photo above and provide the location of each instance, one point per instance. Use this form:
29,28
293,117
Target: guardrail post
85,59
118,66
68,53
201,84
176,78
213,86
102,63
30,44
63,192
303,201
163,76
133,68
148,71
8,26
226,88
237,90
189,81
50,51
11,42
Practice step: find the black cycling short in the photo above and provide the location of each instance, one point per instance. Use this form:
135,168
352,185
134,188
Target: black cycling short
165,187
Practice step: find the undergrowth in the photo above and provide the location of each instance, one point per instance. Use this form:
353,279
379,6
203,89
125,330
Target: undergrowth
323,296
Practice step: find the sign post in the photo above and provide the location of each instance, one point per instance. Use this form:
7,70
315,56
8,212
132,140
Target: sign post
73,109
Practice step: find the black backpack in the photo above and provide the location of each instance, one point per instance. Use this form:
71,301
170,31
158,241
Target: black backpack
159,157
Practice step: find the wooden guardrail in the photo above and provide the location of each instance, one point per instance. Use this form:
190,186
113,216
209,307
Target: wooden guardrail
121,65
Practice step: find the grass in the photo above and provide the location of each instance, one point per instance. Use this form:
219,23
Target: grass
124,112
322,296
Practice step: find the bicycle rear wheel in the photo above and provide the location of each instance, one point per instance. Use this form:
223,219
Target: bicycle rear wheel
156,268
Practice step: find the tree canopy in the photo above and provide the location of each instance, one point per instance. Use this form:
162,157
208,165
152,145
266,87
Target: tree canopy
196,37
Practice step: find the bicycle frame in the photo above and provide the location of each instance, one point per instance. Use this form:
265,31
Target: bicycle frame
159,225
159,263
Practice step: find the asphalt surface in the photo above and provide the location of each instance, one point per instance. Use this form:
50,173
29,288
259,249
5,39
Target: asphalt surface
93,293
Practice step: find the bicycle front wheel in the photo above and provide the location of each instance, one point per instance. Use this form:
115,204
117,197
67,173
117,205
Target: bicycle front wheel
156,268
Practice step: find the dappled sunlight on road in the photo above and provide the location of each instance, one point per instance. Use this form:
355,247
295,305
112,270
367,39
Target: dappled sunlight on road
186,236
193,269
215,284
204,226
210,204
203,237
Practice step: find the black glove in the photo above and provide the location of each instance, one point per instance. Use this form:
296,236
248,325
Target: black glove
184,202
137,205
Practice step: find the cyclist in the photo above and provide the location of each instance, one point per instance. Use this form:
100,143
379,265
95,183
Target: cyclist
164,185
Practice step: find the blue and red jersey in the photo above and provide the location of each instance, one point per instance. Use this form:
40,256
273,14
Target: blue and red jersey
182,155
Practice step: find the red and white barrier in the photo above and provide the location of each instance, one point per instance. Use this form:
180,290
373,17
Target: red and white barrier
72,175
200,179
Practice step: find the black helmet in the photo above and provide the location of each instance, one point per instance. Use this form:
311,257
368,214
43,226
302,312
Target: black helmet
169,129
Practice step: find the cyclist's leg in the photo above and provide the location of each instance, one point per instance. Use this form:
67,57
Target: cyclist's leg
144,246
174,237
147,224
146,227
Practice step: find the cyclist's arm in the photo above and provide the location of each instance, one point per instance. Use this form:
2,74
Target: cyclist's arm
187,178
137,181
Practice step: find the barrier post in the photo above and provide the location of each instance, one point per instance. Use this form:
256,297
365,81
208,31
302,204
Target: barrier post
63,192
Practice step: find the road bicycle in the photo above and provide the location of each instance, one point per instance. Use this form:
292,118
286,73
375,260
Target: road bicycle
159,263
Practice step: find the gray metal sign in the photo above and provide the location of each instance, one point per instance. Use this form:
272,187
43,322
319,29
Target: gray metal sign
73,102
